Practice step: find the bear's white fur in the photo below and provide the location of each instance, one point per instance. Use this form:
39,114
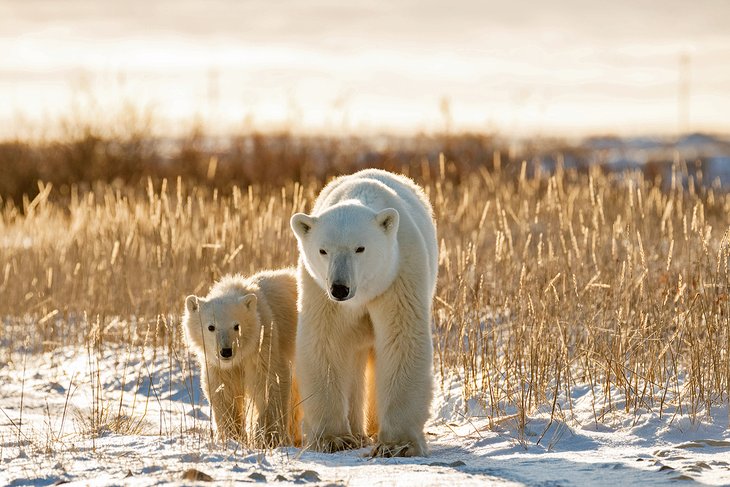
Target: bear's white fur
243,334
367,275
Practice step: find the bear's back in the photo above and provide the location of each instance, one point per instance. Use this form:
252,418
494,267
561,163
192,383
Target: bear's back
370,184
403,186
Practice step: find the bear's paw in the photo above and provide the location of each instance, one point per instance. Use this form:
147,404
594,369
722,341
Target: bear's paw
398,449
335,443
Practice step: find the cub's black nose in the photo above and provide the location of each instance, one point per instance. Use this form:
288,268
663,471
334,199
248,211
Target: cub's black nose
226,352
340,291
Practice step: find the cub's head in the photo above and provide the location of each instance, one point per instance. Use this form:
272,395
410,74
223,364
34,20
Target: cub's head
222,329
350,250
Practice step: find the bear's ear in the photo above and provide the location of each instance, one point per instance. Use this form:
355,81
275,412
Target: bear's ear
388,220
249,301
302,224
192,303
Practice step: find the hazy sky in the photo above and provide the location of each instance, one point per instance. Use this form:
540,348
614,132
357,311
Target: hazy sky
560,67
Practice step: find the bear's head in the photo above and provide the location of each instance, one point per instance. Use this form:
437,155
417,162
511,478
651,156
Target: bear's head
350,250
224,328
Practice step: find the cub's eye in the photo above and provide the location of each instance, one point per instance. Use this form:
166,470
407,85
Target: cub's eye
323,251
236,327
211,328
360,250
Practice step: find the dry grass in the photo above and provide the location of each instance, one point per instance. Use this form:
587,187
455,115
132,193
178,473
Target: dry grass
549,283
546,281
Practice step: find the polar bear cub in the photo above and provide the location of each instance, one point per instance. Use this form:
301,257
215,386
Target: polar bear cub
367,275
243,334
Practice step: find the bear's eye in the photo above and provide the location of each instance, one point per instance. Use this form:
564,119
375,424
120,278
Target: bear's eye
236,327
211,328
323,251
360,250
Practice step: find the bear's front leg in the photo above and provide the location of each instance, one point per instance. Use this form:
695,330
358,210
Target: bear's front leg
225,415
357,398
272,405
403,371
322,366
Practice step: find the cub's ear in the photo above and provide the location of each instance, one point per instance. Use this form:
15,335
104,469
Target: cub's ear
302,224
249,301
388,220
192,303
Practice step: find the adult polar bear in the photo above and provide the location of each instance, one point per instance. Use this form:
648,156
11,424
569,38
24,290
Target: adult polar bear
367,275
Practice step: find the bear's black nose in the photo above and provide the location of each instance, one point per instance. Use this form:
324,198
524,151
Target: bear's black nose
226,352
340,291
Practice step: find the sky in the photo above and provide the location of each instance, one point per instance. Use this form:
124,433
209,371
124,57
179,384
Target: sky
564,67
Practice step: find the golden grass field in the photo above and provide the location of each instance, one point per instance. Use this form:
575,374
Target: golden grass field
546,282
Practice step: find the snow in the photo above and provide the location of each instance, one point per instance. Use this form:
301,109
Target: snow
165,432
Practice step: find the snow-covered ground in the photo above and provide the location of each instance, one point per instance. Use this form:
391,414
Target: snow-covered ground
70,433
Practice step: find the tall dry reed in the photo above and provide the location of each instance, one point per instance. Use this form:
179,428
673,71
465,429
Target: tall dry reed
547,281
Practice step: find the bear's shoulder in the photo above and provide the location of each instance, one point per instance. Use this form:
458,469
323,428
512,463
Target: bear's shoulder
232,285
265,284
278,288
275,280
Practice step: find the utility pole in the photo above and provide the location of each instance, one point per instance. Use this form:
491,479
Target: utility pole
213,95
683,94
445,108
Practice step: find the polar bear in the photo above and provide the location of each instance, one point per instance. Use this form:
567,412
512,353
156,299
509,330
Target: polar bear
243,334
367,275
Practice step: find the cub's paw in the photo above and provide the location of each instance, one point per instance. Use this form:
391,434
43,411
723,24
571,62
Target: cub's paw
362,440
398,449
335,443
269,439
239,437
